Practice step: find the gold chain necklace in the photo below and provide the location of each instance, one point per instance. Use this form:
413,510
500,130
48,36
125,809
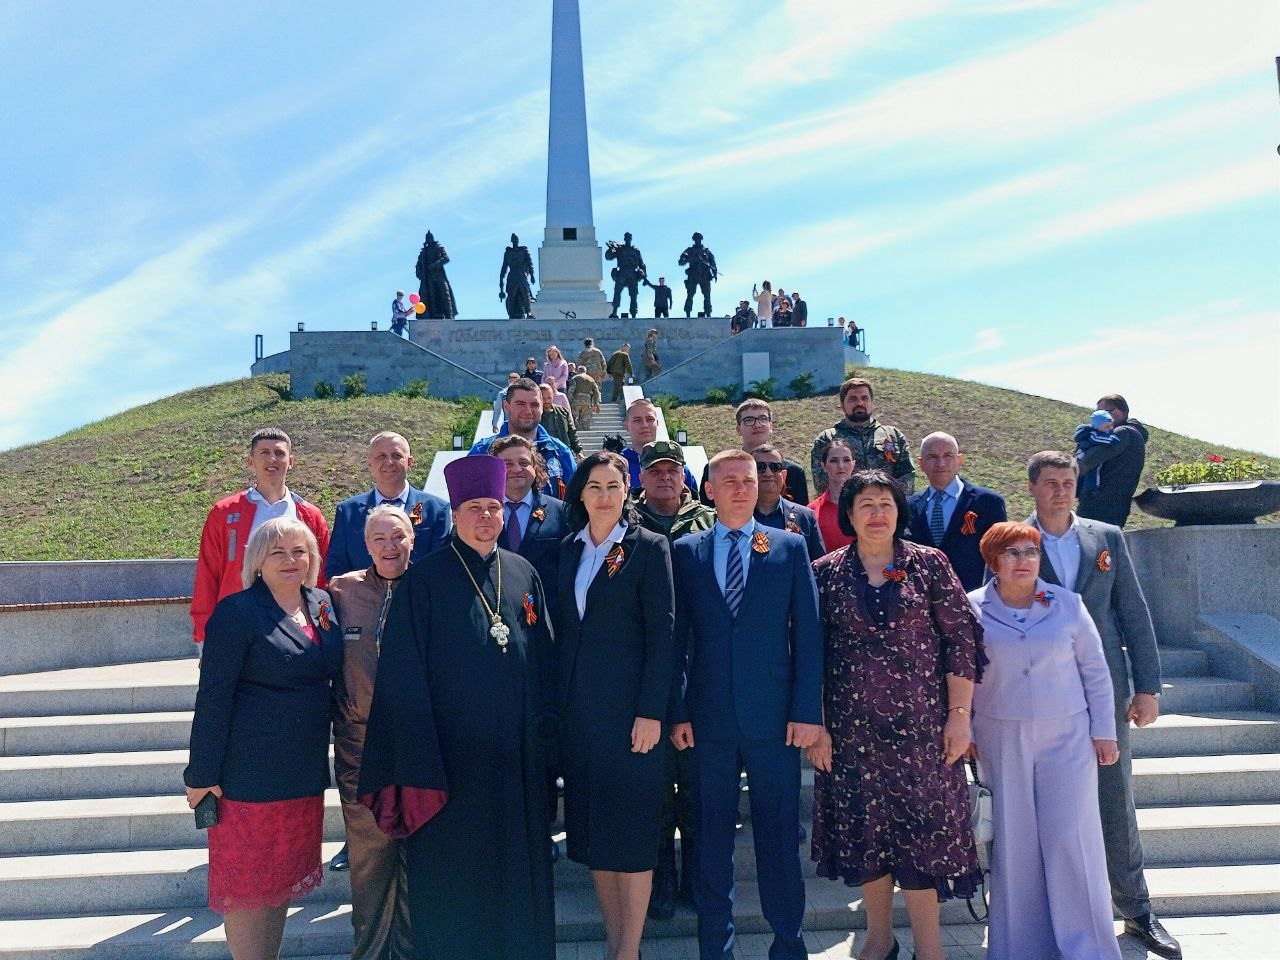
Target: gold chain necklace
498,630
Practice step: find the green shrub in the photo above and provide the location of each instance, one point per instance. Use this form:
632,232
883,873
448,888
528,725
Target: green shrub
665,401
415,389
354,385
465,425
1213,469
762,389
801,384
719,396
280,390
324,390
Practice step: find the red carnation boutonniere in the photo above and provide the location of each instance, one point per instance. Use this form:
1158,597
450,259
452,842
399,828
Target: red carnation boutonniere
896,574
530,614
415,515
540,514
760,542
325,621
889,450
970,525
791,523
1104,561
613,560
1044,597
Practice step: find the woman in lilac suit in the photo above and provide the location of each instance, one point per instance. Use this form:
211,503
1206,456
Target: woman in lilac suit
1043,719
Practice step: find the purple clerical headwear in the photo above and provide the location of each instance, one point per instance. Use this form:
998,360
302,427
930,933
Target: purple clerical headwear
476,476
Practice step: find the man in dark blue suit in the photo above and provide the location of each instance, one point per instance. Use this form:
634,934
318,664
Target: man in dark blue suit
750,663
951,513
389,462
774,510
533,524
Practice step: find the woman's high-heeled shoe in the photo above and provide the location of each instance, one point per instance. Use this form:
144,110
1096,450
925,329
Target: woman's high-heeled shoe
893,951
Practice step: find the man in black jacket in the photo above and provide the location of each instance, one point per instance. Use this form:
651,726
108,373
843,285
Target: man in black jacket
1119,465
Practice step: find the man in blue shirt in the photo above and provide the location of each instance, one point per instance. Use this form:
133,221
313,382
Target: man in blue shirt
641,424
523,410
951,513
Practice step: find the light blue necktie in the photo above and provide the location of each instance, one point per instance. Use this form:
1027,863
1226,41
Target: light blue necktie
733,578
936,528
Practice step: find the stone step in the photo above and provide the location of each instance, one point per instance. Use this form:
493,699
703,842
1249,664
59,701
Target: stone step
1208,733
1193,694
153,686
322,928
31,828
94,733
1183,662
1239,833
80,776
1224,778
58,637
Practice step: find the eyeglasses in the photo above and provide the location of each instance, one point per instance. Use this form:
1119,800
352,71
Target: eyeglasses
763,467
1014,554
751,421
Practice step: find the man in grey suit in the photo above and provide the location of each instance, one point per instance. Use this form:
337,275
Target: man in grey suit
1090,558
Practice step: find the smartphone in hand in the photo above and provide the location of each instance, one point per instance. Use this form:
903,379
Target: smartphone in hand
206,811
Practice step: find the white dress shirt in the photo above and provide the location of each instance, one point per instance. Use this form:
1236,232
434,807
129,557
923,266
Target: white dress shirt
264,511
403,495
591,561
950,495
1064,553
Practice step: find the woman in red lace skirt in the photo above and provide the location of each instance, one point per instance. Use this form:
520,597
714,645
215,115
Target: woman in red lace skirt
260,735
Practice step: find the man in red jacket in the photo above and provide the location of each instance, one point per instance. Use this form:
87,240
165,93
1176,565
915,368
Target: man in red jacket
233,519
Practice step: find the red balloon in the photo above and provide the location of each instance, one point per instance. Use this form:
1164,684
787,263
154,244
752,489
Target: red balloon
414,298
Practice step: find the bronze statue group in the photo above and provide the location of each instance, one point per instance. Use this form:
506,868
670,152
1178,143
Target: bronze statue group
516,280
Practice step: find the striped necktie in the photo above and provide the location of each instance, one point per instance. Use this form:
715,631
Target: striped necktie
936,528
733,578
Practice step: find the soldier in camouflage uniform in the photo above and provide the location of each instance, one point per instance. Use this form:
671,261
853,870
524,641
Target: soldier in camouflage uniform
652,365
875,446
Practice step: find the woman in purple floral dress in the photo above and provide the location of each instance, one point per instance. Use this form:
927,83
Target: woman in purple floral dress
903,652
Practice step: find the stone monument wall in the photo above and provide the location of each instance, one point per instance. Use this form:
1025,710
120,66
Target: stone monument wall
474,357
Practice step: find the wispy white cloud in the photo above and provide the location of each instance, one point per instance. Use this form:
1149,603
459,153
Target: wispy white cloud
1208,372
985,340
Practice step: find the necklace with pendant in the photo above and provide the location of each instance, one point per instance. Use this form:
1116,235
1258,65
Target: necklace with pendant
497,629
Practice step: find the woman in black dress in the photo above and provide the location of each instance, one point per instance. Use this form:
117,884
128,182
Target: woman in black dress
614,631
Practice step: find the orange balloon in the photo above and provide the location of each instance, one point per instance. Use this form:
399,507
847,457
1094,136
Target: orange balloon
419,308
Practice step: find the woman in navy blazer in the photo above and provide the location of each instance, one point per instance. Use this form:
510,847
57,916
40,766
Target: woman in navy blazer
614,627
260,734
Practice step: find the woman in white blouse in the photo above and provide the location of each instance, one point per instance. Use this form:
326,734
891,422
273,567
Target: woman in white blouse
614,629
1043,719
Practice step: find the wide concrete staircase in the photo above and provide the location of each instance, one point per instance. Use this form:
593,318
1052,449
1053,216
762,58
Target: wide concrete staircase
99,856
603,424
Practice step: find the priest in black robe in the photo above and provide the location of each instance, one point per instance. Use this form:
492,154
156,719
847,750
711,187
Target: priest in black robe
460,733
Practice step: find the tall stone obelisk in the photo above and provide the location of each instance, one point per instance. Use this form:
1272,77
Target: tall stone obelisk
570,263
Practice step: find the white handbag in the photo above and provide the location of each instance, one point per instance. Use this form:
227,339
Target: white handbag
980,810
983,832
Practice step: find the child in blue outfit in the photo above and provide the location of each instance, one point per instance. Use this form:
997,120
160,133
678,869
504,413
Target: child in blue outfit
1094,433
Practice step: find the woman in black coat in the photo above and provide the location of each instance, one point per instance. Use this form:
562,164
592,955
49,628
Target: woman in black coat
260,735
614,631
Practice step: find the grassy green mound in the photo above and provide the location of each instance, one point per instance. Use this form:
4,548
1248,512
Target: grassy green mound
139,484
998,430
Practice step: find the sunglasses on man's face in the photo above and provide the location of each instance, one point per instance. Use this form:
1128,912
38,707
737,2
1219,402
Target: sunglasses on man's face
770,467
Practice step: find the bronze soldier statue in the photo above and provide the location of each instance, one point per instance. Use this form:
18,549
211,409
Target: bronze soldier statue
433,285
517,270
701,270
629,272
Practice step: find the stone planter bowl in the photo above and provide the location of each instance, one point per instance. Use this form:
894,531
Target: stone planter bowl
1204,504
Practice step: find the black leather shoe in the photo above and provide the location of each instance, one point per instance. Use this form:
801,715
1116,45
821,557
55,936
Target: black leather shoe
340,861
1153,936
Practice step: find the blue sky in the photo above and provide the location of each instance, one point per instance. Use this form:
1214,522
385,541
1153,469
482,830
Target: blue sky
1068,198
